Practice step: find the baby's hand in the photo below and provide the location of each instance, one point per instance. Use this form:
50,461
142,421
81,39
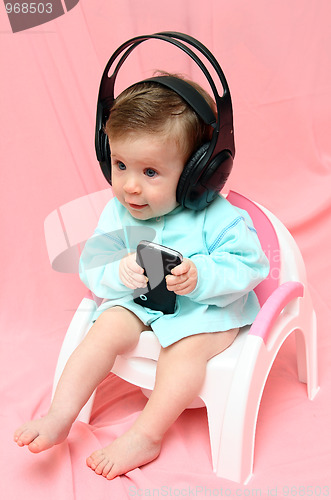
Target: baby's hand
131,274
183,278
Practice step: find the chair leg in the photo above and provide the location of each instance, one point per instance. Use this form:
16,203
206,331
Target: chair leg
236,451
215,413
306,345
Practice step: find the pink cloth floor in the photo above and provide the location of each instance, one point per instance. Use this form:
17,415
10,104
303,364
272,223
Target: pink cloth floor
276,56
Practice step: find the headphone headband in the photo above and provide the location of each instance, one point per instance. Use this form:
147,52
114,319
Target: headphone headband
189,94
223,104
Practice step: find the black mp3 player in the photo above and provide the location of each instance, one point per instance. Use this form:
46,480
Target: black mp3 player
157,262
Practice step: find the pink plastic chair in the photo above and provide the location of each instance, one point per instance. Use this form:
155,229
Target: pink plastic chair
235,379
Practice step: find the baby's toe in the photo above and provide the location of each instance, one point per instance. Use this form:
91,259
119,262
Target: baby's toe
95,459
101,466
24,436
107,468
40,443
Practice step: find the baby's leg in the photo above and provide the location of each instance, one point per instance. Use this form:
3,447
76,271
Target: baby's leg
116,331
180,374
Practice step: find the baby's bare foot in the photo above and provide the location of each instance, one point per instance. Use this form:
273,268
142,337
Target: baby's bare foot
127,452
41,434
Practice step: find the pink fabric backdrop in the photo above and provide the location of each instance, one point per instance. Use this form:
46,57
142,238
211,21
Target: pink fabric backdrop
276,56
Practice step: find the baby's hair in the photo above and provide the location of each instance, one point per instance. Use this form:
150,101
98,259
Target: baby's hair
152,108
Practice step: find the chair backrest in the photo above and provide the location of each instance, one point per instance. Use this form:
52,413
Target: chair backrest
269,243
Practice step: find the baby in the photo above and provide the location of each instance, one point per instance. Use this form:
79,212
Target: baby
152,133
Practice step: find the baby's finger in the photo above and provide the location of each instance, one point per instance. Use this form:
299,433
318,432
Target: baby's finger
133,265
138,280
174,281
136,268
183,289
181,268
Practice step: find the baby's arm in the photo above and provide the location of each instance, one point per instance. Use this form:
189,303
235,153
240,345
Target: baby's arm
231,270
227,273
101,257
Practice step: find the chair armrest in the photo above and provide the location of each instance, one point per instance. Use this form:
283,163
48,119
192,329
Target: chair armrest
273,306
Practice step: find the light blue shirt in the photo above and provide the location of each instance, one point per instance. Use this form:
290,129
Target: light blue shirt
220,240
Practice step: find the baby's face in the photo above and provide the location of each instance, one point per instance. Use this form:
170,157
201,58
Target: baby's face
145,173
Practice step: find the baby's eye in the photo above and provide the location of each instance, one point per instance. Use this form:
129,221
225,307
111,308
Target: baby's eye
150,172
121,165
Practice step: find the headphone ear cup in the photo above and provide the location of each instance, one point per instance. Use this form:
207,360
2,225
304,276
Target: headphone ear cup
215,176
199,186
191,168
105,161
101,143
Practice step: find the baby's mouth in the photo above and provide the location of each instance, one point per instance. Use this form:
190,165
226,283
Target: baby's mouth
137,207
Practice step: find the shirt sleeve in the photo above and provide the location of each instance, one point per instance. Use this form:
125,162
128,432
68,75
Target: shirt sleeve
234,266
101,256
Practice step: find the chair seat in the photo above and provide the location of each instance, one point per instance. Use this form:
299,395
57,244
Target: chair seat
148,347
139,365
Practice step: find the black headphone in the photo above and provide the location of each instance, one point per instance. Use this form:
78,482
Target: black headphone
207,170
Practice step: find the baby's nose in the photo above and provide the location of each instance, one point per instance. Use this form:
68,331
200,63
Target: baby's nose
132,185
